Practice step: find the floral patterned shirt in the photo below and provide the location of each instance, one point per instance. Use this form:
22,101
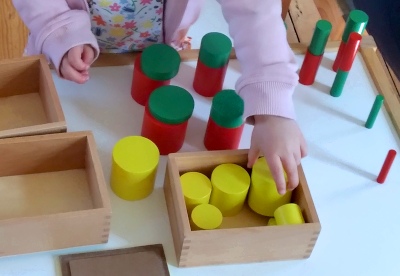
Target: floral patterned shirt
126,25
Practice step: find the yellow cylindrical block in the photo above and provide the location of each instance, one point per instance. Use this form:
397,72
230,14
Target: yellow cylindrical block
134,166
271,222
289,214
263,195
230,184
196,189
205,217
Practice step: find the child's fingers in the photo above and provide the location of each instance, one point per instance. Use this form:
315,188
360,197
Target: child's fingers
275,165
70,73
303,147
87,54
252,156
75,59
290,166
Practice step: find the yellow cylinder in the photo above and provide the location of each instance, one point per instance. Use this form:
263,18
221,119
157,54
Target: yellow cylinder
134,166
230,184
196,189
263,195
205,217
289,214
271,222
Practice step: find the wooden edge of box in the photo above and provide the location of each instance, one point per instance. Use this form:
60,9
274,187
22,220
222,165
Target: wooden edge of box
383,81
48,128
98,170
157,248
55,101
46,137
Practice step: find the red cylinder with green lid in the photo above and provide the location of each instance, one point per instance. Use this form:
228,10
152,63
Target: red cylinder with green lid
225,124
356,22
315,51
212,63
155,67
166,116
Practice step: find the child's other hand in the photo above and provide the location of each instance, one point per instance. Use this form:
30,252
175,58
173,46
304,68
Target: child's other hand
76,63
282,144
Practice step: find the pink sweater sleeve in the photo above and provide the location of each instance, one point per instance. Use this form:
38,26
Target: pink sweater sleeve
55,27
267,63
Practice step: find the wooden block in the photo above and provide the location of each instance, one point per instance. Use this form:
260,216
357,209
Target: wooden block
244,238
304,15
29,103
52,193
140,261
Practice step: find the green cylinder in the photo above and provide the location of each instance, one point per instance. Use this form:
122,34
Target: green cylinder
171,104
320,37
215,49
160,62
227,109
338,83
356,22
374,111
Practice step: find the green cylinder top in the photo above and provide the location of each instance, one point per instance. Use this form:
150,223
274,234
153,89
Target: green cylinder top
215,49
171,104
356,22
320,37
227,109
160,62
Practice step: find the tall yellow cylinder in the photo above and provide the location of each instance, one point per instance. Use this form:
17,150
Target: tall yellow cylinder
134,166
263,195
196,189
230,184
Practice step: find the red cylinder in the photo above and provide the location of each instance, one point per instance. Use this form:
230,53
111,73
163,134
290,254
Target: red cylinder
309,68
386,166
339,57
208,81
168,138
221,138
142,86
350,51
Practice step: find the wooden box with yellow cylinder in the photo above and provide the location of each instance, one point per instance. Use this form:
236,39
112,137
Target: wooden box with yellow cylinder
220,212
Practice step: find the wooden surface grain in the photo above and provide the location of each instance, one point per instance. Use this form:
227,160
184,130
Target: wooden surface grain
13,33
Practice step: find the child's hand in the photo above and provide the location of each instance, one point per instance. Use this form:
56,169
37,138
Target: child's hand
282,144
76,63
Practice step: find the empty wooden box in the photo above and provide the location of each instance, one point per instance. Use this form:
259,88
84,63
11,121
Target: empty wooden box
52,193
243,238
29,103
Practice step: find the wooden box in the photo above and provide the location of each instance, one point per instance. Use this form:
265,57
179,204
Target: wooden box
29,103
243,238
52,193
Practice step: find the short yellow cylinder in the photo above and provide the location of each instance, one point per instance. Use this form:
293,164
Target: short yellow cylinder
271,222
134,166
289,214
196,188
230,184
263,195
205,217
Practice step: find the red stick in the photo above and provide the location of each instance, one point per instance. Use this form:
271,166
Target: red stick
386,166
